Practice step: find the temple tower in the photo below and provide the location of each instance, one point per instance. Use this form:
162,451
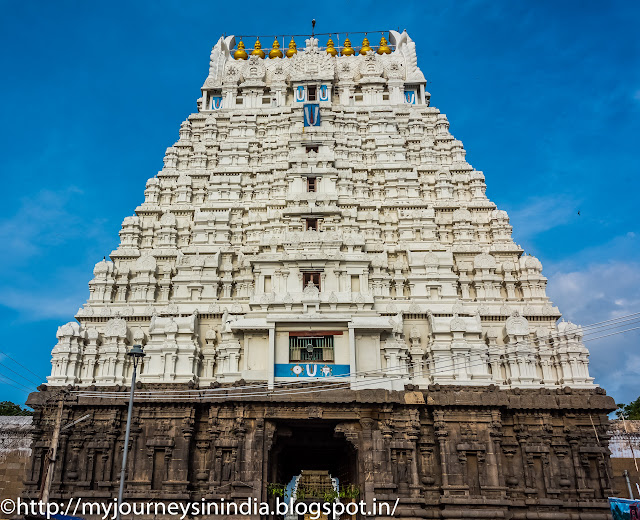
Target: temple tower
320,284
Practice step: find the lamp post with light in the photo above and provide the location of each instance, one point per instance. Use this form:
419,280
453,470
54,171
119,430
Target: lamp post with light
136,354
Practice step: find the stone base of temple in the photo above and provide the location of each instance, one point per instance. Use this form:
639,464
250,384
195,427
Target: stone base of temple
444,452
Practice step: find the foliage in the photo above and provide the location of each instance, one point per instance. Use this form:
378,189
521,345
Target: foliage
9,408
629,411
347,493
275,490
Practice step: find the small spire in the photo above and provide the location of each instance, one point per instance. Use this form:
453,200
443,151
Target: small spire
331,50
384,46
292,48
275,51
347,50
240,54
365,46
257,49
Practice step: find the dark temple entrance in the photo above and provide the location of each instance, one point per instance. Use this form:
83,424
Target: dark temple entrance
311,445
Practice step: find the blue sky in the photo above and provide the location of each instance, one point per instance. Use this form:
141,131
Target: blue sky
545,96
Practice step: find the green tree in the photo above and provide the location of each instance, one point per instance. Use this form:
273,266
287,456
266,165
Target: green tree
629,411
9,408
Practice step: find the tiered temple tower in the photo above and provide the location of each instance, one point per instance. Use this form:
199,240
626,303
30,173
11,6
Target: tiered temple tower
319,282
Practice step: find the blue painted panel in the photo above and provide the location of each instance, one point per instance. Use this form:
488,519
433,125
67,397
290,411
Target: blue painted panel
311,114
410,96
310,370
216,103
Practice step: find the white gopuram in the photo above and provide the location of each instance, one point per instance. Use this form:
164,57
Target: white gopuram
316,219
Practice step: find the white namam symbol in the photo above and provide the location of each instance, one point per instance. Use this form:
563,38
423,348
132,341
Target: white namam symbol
297,370
326,371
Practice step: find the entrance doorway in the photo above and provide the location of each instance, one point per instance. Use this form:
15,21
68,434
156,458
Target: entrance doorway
312,446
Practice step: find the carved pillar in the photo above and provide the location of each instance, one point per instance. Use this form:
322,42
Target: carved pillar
203,448
105,467
72,469
367,458
577,466
89,466
36,467
61,457
495,450
168,455
442,433
427,460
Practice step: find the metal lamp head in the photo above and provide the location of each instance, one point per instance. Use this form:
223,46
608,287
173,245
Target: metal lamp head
136,353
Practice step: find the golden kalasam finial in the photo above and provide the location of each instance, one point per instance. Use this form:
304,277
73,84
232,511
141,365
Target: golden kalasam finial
365,46
257,49
331,50
384,46
240,54
292,49
347,50
275,52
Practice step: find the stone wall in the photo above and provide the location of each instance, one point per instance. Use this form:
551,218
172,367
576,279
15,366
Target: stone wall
446,452
624,445
15,453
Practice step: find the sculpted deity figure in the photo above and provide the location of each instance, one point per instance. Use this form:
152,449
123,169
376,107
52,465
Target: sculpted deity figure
226,322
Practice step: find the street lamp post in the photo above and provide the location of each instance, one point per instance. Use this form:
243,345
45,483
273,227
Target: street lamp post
136,354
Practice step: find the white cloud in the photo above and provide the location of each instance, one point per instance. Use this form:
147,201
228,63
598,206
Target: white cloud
599,292
42,220
35,306
542,214
44,268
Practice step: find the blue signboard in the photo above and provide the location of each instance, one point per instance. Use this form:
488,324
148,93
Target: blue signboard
622,509
303,369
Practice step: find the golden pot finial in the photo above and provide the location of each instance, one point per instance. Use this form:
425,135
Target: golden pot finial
365,46
275,52
331,50
292,49
384,46
347,50
257,49
240,54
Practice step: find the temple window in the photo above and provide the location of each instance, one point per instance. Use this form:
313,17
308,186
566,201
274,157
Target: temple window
311,348
312,277
311,148
312,224
312,184
312,93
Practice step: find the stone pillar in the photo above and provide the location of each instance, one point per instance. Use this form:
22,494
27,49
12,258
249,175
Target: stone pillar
271,358
441,434
352,352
